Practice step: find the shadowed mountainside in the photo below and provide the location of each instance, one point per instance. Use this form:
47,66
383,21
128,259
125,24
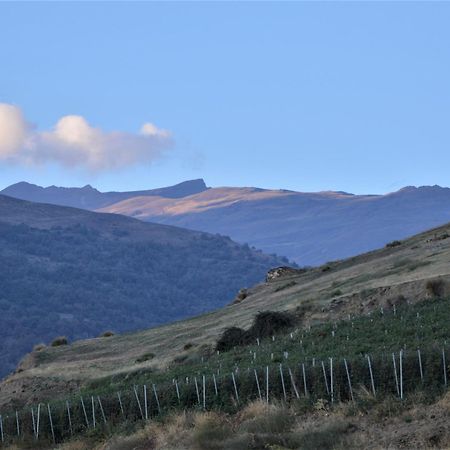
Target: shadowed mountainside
75,272
309,228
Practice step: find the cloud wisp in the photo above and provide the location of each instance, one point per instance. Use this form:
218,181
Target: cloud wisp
73,142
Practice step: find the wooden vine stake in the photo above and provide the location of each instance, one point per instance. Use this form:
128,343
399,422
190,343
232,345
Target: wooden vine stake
2,436
267,384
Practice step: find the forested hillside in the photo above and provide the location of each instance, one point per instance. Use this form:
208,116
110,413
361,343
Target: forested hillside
100,271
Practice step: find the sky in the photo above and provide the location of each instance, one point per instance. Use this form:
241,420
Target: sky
309,96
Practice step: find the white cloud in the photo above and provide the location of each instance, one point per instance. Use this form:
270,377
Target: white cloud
74,142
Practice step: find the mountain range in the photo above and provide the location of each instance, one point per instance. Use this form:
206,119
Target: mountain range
73,272
309,228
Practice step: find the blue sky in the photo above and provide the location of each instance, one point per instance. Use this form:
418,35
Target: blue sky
305,96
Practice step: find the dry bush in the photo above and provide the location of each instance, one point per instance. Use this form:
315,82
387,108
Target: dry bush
275,419
436,288
108,333
39,347
210,431
60,340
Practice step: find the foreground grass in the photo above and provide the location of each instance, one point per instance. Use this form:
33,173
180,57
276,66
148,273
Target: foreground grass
366,423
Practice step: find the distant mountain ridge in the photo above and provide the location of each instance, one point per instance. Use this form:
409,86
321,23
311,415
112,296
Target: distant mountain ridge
310,228
90,198
68,271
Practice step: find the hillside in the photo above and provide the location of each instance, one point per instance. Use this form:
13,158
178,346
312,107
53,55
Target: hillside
396,275
89,198
72,272
309,228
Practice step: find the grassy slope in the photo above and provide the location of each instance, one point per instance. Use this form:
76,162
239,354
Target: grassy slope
364,282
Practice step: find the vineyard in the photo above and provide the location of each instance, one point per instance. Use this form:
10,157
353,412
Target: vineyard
392,352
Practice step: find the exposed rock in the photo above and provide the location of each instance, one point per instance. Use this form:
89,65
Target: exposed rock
281,272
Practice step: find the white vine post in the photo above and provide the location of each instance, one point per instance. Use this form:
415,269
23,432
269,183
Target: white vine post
349,380
51,422
371,375
138,402
17,424
401,373
34,422
93,411
215,385
197,391
204,392
445,367
304,380
145,402
395,374
1,429
267,384
325,378
420,364
38,420
293,383
178,391
257,384
235,387
120,404
331,380
282,383
69,417
84,412
156,398
101,409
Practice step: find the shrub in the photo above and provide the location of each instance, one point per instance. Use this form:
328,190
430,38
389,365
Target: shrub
188,346
145,357
61,340
336,293
436,287
107,334
267,323
230,338
393,244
